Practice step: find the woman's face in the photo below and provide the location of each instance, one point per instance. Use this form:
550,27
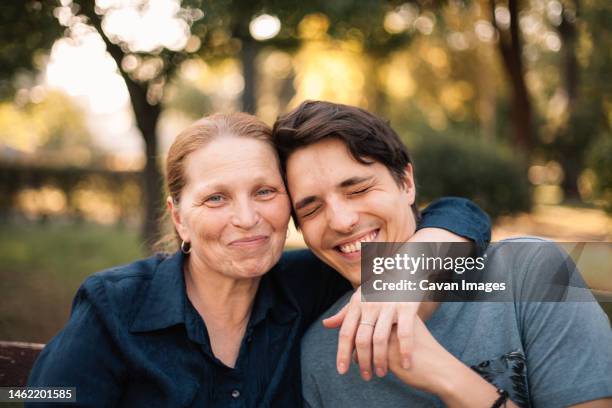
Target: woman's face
234,209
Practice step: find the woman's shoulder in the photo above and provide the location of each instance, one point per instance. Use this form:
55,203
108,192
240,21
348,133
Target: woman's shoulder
102,311
124,277
121,290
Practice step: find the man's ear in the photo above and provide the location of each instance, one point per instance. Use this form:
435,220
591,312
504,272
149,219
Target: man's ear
175,214
409,186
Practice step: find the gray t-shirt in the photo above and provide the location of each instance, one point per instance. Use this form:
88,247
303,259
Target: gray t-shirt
544,354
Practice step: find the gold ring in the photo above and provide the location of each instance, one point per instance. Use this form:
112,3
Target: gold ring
368,324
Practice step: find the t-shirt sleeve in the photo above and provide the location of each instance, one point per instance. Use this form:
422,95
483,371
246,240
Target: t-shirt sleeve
568,345
82,355
459,216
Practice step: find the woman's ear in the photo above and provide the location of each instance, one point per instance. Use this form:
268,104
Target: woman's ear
177,220
409,186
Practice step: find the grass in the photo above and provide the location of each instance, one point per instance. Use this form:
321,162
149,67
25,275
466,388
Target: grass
42,266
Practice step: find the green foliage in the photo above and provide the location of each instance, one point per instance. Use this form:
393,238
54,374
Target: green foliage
599,159
54,125
188,99
27,30
489,174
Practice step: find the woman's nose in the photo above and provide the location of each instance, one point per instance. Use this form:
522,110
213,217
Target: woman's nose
245,214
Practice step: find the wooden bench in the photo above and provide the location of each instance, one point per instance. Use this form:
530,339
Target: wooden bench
16,361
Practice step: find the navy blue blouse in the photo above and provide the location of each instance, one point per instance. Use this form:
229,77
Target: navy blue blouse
134,338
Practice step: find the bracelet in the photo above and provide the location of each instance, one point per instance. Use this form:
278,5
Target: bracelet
503,397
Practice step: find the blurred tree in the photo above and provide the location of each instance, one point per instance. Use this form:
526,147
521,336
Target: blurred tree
445,61
572,163
226,30
146,71
145,74
188,99
31,26
370,25
27,31
584,65
488,173
214,30
52,126
599,160
511,50
361,22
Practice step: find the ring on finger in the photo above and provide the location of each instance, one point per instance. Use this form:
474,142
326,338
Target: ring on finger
367,323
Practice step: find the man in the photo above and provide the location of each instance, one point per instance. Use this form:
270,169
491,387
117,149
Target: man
351,181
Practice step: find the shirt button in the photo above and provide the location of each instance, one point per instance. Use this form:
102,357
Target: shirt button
235,394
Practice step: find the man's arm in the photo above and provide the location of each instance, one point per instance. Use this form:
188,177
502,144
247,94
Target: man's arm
601,403
438,372
435,370
568,344
454,217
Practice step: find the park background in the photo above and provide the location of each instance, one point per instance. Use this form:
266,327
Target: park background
508,103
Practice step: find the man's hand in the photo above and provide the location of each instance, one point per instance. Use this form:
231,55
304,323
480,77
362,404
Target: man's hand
437,371
429,361
366,327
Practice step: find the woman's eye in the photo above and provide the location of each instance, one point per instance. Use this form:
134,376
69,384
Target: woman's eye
265,192
214,199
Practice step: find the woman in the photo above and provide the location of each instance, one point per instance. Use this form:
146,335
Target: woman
219,322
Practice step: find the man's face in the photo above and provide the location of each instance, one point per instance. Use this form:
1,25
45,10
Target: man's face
341,203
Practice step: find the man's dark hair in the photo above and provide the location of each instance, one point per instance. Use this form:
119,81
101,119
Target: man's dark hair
368,138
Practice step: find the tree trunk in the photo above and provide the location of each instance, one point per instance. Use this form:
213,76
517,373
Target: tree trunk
249,72
487,95
511,51
147,116
153,186
378,94
571,160
567,31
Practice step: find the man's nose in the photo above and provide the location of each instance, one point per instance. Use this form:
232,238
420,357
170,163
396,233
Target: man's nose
341,216
246,215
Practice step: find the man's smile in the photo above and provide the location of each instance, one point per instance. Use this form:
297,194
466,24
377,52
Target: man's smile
354,244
